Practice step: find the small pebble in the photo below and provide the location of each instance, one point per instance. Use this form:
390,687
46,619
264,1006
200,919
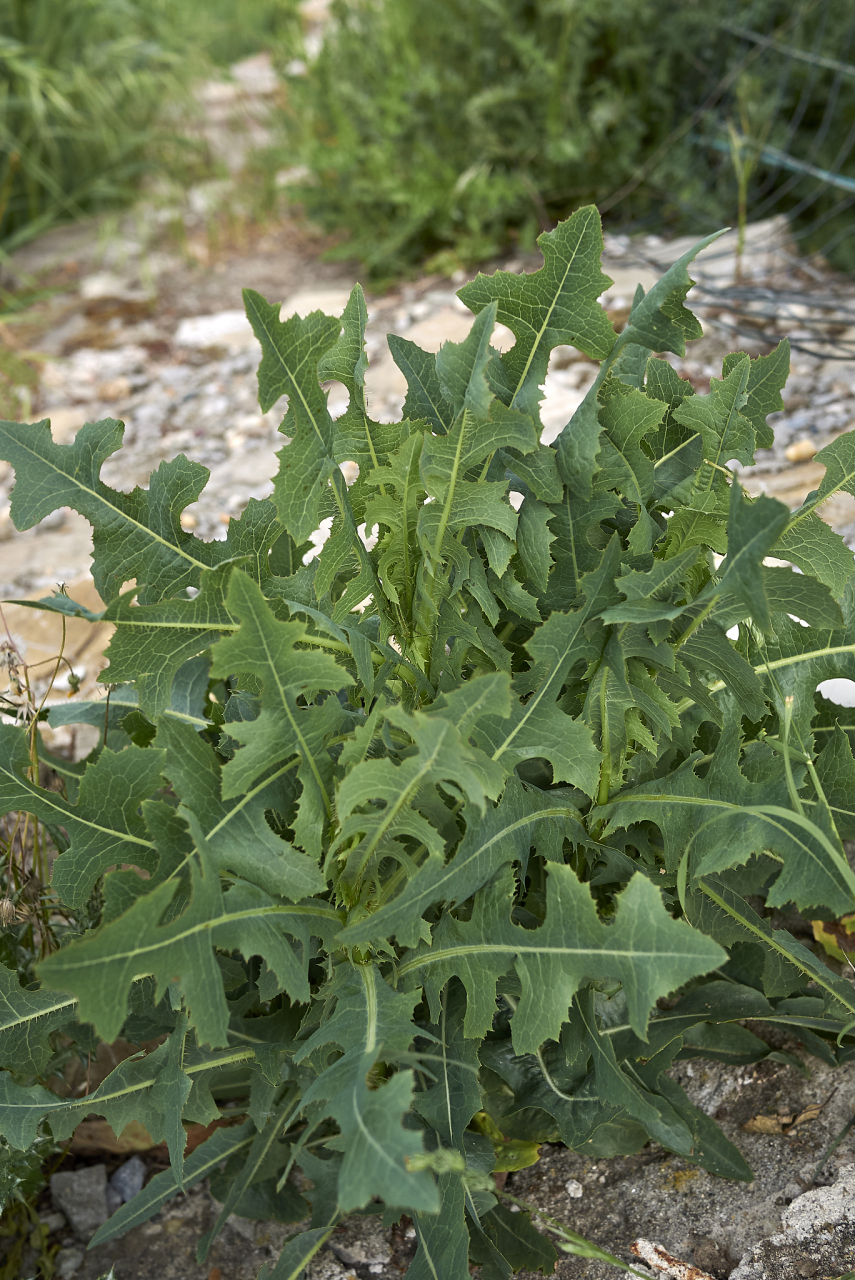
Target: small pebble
800,451
81,1194
128,1179
67,1262
52,1221
115,389
188,520
573,1188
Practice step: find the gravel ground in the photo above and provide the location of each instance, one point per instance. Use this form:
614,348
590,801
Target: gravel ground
774,1228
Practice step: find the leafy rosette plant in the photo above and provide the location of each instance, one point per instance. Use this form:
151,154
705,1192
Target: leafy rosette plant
452,840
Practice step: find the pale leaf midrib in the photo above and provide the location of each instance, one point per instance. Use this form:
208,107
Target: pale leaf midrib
99,497
521,949
206,926
35,1015
68,815
293,379
545,325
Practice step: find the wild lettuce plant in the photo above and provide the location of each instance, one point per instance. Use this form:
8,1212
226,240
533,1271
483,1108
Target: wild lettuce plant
450,841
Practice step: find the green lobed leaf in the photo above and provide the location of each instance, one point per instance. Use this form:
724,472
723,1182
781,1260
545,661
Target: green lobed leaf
152,642
553,306
101,967
794,660
443,1239
753,528
650,953
370,1021
658,321
451,1100
292,350
724,430
104,826
615,1086
151,1089
516,1238
356,436
817,549
265,647
767,375
136,535
27,1019
786,591
424,400
238,836
626,417
835,768
461,368
723,913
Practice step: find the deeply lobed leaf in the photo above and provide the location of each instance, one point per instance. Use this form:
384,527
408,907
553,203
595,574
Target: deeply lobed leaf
419,835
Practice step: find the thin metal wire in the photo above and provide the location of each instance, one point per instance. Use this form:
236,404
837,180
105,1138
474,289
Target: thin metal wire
796,174
766,312
802,55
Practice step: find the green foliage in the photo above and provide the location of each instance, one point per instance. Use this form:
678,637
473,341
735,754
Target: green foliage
93,93
798,107
82,84
21,1177
225,32
442,842
446,129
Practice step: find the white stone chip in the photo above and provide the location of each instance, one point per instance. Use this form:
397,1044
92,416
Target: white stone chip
224,328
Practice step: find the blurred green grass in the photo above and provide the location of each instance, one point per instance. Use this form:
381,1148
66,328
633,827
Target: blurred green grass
442,132
225,31
92,94
435,133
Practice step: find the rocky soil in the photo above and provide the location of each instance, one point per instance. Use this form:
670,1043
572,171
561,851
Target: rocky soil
794,1220
154,335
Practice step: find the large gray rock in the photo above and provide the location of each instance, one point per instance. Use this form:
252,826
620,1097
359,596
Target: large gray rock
81,1195
818,1236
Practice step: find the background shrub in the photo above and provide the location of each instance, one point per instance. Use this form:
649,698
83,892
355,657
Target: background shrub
82,83
455,127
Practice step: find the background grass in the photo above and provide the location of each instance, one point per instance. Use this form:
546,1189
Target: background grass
439,133
82,83
93,94
445,130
